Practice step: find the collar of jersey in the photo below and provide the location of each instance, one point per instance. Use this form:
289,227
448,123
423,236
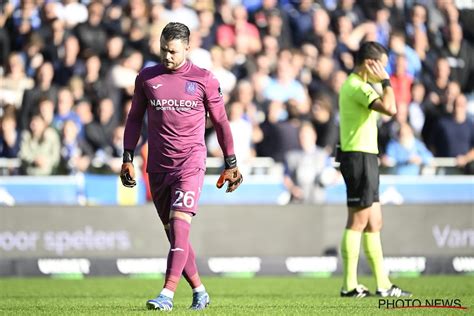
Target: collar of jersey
185,67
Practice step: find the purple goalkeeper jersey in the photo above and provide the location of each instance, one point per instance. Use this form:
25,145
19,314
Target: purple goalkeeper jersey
176,103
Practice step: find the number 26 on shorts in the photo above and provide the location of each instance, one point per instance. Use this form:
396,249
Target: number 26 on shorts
185,199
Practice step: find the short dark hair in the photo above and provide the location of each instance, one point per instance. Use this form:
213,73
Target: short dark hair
176,30
370,50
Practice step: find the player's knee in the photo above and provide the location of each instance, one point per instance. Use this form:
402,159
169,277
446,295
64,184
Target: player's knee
357,222
181,215
374,226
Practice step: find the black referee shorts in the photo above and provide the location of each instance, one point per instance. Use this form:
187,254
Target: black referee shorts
361,175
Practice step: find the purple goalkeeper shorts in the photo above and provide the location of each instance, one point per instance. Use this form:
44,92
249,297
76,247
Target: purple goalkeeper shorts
176,191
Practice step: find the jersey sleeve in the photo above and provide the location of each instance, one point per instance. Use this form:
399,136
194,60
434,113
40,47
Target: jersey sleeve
135,116
214,104
366,95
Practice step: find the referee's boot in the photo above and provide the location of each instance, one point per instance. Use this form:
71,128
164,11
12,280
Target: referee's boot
359,292
394,291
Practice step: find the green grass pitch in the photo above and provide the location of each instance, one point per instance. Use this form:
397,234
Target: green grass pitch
229,296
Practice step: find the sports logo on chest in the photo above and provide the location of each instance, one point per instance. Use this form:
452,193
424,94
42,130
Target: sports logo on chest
190,87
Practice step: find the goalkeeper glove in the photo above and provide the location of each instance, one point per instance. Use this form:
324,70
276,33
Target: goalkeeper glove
231,174
127,174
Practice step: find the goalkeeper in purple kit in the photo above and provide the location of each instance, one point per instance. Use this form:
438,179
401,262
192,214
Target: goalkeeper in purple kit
177,96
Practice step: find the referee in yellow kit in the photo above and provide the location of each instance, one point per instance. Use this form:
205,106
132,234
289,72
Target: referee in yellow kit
358,106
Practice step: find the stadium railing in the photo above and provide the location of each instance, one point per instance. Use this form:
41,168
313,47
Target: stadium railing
268,166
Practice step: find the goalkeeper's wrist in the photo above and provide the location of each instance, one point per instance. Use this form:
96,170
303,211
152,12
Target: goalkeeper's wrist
127,156
230,162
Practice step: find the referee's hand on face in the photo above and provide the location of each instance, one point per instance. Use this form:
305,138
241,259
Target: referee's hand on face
127,175
376,70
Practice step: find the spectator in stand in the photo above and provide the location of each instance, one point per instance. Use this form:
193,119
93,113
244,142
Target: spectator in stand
177,11
438,84
25,20
121,78
277,29
418,22
117,144
43,88
271,51
321,23
336,81
350,36
452,92
114,50
261,77
32,53
310,59
6,9
268,144
46,110
207,29
15,81
226,78
460,56
99,133
114,162
242,131
199,56
65,111
49,12
76,153
406,154
260,17
238,61
382,24
454,136
76,86
39,149
91,34
59,33
300,15
350,9
321,80
280,132
398,46
389,129
401,81
424,46
137,11
138,38
227,34
284,86
95,86
324,122
328,45
417,108
245,95
70,65
9,134
308,170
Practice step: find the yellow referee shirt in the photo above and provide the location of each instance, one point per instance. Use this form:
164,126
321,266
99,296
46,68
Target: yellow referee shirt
357,123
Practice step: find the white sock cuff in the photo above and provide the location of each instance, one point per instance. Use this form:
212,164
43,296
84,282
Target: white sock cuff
200,288
167,292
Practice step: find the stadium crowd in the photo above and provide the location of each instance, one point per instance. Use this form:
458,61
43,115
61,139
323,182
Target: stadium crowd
68,69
